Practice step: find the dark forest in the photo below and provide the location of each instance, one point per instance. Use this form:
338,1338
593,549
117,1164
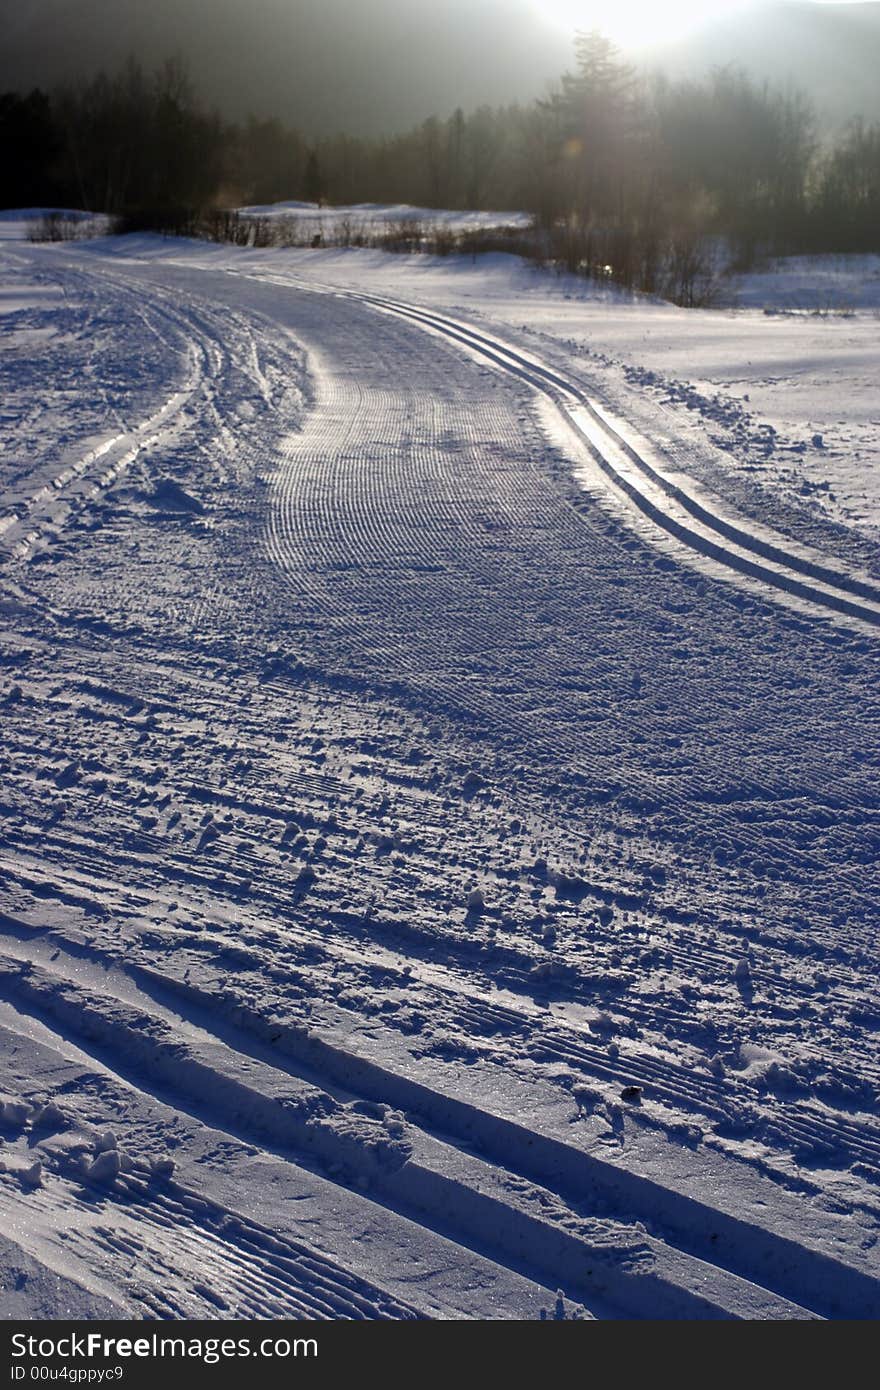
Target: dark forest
623,175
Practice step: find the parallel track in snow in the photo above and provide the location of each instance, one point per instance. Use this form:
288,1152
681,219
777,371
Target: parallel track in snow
82,479
698,522
413,518
522,1199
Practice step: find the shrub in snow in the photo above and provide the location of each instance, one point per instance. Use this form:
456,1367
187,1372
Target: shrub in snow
475,900
743,972
33,1176
106,1142
56,225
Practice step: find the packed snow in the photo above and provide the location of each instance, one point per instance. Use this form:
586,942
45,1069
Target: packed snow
438,814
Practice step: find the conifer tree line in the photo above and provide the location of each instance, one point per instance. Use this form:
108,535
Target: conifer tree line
617,170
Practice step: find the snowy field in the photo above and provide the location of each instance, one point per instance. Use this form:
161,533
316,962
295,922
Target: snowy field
371,217
438,813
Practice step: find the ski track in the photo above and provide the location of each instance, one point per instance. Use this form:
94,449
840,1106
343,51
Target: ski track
176,1256
236,759
677,508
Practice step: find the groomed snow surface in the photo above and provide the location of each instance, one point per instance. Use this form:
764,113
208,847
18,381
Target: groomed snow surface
438,788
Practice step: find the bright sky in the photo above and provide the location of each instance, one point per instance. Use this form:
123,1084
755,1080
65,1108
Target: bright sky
636,23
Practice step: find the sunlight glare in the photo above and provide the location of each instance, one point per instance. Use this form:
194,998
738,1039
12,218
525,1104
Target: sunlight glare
636,24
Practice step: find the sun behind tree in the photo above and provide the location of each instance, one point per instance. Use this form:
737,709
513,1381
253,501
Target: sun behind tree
636,24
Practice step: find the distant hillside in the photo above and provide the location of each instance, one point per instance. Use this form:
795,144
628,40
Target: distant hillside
362,66
830,51
378,66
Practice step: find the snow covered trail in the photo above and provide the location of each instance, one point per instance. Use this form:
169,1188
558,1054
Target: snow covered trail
472,898
674,503
430,546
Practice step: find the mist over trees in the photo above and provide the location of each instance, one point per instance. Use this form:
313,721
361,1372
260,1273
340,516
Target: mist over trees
623,174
